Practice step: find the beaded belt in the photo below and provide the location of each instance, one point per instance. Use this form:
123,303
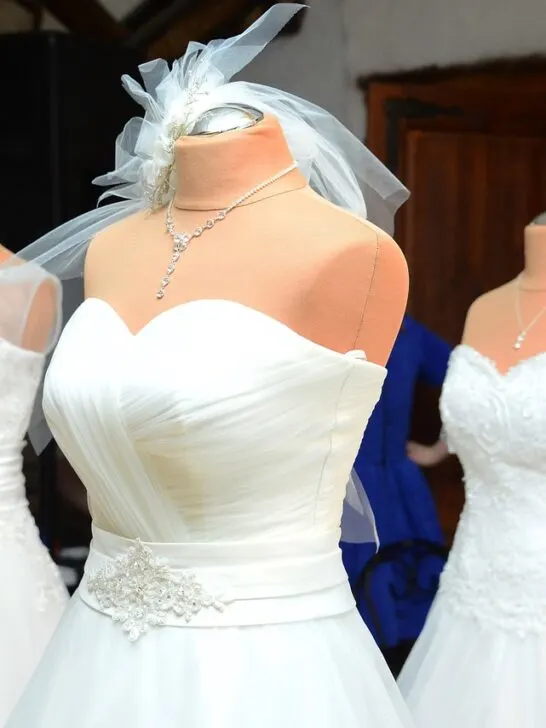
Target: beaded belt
143,585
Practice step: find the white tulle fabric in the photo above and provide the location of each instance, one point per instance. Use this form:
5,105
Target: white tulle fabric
225,447
32,594
481,659
338,166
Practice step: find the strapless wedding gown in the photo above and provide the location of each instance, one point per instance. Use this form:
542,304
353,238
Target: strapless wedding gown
215,446
481,659
32,595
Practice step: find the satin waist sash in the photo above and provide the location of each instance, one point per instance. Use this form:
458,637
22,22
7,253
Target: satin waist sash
142,585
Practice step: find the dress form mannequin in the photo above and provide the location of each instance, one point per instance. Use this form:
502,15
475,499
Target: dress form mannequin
492,324
286,252
42,314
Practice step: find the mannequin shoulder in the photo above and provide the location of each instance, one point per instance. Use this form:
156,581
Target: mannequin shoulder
109,248
5,254
37,301
356,241
41,299
486,308
43,316
360,283
367,260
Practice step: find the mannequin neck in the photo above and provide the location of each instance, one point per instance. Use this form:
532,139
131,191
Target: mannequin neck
213,171
534,274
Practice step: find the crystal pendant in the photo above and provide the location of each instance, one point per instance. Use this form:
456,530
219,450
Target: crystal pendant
519,341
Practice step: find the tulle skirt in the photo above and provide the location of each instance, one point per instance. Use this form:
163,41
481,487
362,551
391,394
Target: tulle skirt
463,672
320,673
32,600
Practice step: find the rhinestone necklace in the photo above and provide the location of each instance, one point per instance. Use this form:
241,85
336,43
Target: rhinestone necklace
182,240
524,330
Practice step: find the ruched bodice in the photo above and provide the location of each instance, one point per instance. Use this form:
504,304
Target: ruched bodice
496,425
214,423
215,445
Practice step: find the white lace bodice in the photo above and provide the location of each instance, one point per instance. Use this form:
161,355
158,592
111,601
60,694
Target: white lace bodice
20,373
24,327
30,313
215,423
497,426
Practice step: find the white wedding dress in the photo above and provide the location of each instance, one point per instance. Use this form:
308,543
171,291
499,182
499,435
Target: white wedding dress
481,660
215,445
32,595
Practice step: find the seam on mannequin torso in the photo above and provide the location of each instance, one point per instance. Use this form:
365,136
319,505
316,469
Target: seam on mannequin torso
365,306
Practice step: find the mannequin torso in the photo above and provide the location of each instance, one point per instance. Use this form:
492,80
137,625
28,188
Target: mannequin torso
328,275
492,325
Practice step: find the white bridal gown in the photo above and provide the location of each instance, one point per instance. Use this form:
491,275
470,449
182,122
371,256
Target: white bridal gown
215,445
481,659
32,596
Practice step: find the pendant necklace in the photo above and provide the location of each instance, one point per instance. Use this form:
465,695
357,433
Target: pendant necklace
181,240
524,330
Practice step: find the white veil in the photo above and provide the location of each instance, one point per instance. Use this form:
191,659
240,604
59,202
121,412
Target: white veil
337,165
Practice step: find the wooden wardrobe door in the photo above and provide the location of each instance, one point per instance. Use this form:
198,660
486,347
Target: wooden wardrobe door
471,147
462,234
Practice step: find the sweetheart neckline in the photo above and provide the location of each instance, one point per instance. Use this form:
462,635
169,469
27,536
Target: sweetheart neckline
493,365
348,356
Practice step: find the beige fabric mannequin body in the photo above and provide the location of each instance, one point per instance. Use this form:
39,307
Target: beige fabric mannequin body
492,325
5,254
329,275
42,314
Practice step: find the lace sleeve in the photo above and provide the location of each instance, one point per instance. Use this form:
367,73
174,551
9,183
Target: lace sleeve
30,306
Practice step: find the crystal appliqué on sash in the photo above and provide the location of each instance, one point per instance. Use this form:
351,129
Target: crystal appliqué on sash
139,591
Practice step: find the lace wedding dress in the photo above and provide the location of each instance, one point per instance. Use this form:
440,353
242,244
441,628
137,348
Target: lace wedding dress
32,595
214,595
481,659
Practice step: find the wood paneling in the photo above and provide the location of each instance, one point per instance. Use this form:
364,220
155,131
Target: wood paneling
462,233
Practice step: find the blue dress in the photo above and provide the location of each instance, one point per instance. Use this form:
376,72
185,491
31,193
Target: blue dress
398,491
